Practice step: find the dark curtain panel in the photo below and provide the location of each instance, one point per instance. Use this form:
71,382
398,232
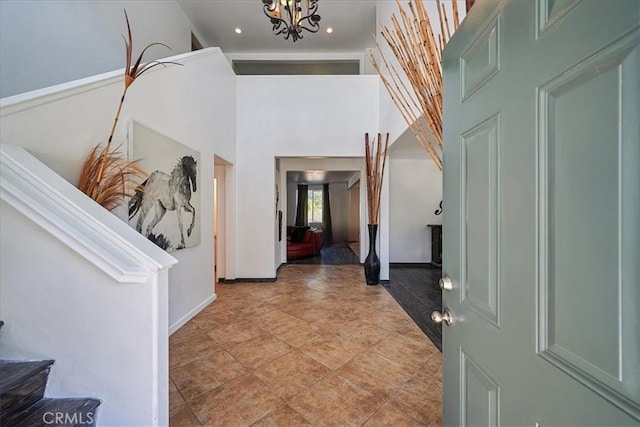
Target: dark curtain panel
327,233
301,211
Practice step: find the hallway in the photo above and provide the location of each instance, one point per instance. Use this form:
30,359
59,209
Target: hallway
318,347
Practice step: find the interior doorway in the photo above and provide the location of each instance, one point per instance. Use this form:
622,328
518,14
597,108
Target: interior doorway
215,230
221,205
323,223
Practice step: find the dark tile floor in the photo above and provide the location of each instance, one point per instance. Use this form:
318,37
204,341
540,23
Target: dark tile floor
416,289
318,347
336,254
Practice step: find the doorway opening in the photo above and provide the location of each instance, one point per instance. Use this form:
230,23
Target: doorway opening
222,180
215,230
323,217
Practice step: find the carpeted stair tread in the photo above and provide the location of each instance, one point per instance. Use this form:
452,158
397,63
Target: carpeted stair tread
69,413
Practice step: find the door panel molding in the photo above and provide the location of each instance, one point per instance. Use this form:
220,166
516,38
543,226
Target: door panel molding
615,377
548,17
481,294
571,344
481,61
479,394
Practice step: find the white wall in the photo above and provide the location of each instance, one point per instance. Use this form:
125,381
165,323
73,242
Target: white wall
320,116
43,43
415,193
112,356
193,104
66,267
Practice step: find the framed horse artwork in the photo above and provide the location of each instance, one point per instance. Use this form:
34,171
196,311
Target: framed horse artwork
166,205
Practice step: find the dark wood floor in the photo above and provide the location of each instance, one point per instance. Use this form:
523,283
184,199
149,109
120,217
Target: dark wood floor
416,288
336,254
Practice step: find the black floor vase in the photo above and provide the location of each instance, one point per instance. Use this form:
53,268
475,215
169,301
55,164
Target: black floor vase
372,262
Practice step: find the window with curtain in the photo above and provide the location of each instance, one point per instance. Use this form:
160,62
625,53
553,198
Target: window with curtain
314,205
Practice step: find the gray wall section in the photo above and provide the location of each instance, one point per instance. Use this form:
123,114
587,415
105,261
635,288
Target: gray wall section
44,43
296,67
339,211
353,220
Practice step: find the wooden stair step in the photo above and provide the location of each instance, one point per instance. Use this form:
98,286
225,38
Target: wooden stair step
61,413
21,385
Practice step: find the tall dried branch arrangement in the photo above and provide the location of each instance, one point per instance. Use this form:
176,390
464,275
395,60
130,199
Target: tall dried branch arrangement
107,176
375,159
419,54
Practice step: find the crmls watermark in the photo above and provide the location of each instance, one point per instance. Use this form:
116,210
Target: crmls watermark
73,418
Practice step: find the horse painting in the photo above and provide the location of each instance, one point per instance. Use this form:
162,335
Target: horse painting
166,192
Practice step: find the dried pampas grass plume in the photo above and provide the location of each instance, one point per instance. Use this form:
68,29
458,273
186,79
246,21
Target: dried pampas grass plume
117,181
108,177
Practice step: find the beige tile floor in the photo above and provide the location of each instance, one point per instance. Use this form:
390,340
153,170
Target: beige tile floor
318,347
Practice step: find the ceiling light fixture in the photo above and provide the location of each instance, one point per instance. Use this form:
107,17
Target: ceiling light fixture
290,17
329,30
238,31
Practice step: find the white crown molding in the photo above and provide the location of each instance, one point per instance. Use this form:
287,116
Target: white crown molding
68,214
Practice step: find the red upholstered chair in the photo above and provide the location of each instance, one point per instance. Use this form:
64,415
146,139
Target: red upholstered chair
309,245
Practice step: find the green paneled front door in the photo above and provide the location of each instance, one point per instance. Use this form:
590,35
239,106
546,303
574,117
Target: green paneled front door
542,214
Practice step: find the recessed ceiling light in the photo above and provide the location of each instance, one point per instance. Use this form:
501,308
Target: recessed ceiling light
329,30
238,31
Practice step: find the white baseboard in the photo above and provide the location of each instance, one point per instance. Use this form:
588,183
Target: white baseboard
190,315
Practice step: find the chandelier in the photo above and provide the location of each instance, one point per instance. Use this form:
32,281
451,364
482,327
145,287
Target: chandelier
290,17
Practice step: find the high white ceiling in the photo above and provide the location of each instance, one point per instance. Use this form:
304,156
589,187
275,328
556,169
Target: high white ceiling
353,23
